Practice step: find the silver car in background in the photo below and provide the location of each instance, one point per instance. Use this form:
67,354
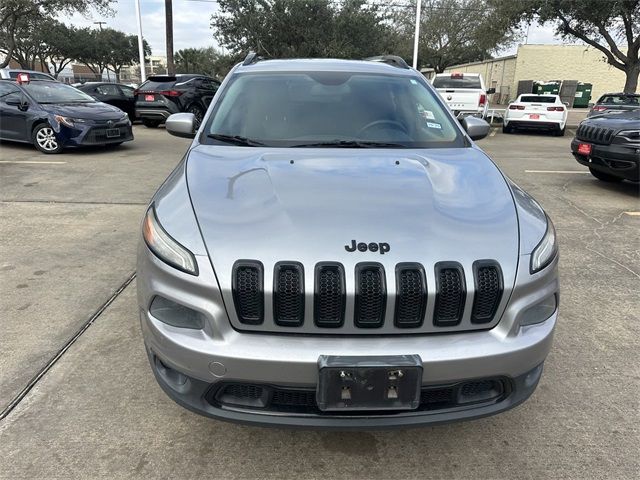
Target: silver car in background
335,251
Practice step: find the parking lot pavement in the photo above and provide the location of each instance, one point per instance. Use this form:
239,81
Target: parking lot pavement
98,412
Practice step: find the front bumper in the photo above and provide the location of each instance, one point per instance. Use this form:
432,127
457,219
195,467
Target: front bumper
190,364
622,161
94,135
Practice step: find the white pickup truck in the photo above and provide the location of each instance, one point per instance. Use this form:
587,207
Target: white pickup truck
465,93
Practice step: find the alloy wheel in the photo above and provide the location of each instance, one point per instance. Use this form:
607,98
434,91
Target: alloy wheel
46,139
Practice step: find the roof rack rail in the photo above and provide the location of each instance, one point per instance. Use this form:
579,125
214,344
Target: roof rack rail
393,60
251,58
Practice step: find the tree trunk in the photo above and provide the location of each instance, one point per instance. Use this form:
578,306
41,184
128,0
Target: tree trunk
168,11
631,83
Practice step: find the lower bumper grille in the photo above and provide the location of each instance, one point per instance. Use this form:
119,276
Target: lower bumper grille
303,401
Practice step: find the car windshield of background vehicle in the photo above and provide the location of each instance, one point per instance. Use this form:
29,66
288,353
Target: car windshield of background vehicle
55,92
537,99
457,82
621,100
331,109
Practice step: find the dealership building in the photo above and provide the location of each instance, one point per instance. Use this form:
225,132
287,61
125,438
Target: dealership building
544,63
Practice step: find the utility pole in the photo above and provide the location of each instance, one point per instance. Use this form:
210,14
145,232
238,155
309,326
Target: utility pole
168,12
143,75
416,37
100,25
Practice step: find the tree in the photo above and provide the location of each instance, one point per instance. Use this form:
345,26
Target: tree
13,12
197,60
604,25
106,48
454,32
303,28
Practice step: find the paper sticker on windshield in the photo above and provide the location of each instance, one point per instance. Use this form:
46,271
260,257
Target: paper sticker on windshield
428,114
434,125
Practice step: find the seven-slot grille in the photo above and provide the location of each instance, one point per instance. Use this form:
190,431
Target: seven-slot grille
409,303
595,134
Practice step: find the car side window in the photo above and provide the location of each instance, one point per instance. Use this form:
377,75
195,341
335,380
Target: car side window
108,90
127,91
7,89
209,84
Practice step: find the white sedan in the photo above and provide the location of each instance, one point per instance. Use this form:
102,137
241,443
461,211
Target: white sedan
543,112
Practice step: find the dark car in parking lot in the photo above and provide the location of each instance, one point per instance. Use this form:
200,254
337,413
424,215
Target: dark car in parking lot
164,95
51,116
616,102
121,96
609,145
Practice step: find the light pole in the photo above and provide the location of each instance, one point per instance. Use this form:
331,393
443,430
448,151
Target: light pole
417,34
100,25
143,75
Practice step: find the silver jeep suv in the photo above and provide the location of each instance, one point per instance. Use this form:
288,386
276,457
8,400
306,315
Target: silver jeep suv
335,251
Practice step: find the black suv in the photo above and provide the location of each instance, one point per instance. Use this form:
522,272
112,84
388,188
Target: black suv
609,145
163,95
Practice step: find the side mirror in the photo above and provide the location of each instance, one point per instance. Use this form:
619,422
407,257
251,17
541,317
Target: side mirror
181,125
475,127
491,91
17,101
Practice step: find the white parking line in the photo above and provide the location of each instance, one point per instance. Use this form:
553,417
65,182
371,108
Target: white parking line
493,132
633,214
32,162
555,171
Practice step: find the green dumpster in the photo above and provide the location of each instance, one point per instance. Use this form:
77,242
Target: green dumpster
546,88
583,95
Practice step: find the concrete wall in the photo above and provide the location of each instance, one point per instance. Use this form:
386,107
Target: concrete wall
544,63
567,62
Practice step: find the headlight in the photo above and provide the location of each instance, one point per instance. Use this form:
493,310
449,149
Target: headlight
546,250
165,247
68,121
630,135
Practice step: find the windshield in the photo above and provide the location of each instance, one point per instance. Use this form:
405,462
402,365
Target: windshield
456,82
620,99
55,92
537,99
339,109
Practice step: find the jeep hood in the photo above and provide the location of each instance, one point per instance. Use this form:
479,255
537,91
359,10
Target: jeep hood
305,205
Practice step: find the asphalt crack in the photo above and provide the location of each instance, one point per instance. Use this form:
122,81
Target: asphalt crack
43,371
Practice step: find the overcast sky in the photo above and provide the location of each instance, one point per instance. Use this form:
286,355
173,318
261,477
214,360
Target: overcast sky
191,19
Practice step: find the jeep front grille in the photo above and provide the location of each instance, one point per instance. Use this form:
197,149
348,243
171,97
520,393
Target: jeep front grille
488,281
411,295
329,299
248,291
594,134
450,294
371,295
328,302
288,294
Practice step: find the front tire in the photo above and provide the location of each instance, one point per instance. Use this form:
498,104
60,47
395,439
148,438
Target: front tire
150,123
605,177
197,113
44,139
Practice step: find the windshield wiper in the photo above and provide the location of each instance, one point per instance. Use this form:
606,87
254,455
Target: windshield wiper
235,140
352,144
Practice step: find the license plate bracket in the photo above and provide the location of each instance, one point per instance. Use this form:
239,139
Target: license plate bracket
352,383
534,116
113,132
149,98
